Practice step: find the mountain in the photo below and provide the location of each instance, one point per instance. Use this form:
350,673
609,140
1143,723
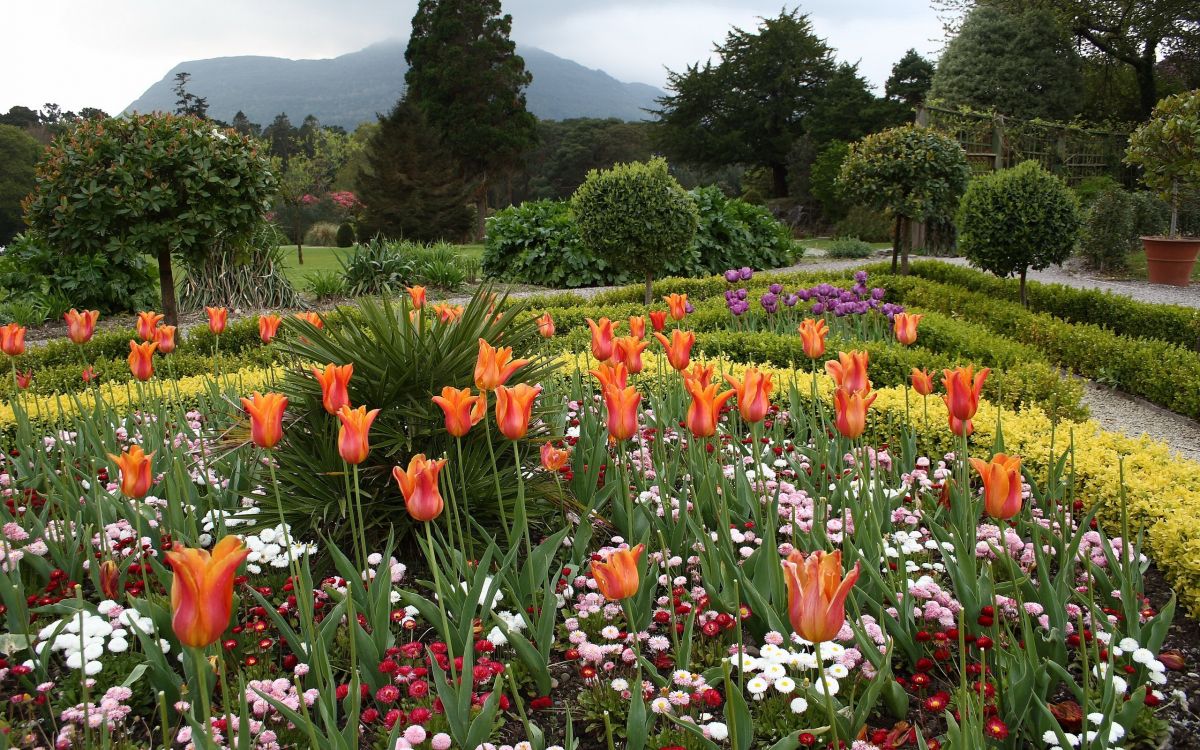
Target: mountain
352,88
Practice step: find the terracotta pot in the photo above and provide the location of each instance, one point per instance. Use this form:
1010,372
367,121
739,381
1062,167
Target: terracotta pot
1169,260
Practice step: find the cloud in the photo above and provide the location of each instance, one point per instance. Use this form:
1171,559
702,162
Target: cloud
106,54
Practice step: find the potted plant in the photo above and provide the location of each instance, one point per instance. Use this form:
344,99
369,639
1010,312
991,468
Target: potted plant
1168,150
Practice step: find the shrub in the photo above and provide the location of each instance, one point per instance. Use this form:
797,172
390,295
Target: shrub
865,223
849,247
1016,219
636,215
322,234
345,235
538,243
247,272
913,172
1091,188
733,233
1151,215
377,267
32,268
19,153
157,185
324,285
1108,230
1167,147
438,265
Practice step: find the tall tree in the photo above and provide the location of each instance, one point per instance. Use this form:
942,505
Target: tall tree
410,185
911,77
1134,33
1019,64
754,103
281,137
19,153
241,123
188,103
465,75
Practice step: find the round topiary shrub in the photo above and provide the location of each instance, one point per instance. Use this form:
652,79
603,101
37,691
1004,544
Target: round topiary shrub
637,216
1016,219
345,235
1108,230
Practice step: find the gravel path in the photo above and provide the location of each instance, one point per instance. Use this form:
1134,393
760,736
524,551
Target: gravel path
1118,412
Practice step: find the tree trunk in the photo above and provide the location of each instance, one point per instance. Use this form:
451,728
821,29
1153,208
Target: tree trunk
299,252
166,283
779,188
1024,299
916,238
481,203
896,241
649,288
1147,85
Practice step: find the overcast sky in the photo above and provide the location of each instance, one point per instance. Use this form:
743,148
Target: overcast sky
105,54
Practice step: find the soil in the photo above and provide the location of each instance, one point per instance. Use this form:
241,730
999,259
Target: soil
1183,687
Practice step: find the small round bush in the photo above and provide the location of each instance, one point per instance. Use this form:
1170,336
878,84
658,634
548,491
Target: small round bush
1016,219
345,235
321,234
636,215
849,247
1108,230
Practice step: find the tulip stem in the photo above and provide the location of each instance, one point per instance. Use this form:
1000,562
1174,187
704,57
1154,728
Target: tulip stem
362,527
225,703
462,477
828,699
487,426
521,505
441,598
201,666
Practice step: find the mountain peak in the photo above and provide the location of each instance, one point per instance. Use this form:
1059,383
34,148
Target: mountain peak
352,88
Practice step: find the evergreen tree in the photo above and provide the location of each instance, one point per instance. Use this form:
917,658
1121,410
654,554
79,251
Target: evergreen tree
241,123
282,137
465,76
910,80
188,103
411,186
1018,64
751,106
19,153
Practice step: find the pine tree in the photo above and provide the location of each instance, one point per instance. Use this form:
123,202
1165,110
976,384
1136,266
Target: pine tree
411,186
465,76
911,77
188,103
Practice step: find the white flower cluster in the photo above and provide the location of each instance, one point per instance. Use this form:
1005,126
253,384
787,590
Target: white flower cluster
1115,733
512,620
268,546
769,670
84,638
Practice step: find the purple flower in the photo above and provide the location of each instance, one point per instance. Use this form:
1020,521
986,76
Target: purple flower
818,309
690,308
791,300
776,288
732,275
804,294
741,294
770,302
877,293
860,277
738,307
745,272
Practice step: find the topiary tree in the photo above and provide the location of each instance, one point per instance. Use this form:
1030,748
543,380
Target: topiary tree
1016,219
637,216
1168,149
910,171
158,185
1108,230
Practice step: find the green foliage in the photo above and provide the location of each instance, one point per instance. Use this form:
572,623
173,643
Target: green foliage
1020,64
1090,188
121,188
1108,230
247,273
411,187
438,265
1016,219
397,365
849,247
733,233
823,180
538,243
377,267
910,79
18,154
1151,215
31,269
865,223
911,171
324,285
1167,148
345,235
322,234
567,150
637,216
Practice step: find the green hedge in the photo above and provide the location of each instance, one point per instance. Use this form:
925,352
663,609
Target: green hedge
1118,313
1159,371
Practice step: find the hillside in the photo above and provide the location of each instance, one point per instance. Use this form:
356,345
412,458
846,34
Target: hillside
352,88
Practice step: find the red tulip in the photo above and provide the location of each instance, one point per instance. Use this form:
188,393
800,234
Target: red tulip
677,305
753,394
618,577
705,408
202,592
141,359
417,295
658,320
1001,485
637,326
963,387
164,336
850,371
622,406
268,326
493,367
851,411
812,336
922,382
12,339
146,323
545,326
679,347
553,458
353,443
905,327
24,379
611,376
629,352
602,338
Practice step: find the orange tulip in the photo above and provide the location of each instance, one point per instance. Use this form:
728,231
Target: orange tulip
419,485
202,590
677,305
851,408
629,352
334,382
141,359
514,408
146,323
12,339
705,408
850,371
963,386
611,376
353,442
24,379
622,406
164,336
312,318
135,465
462,409
922,382
417,294
961,428
602,338
812,336
679,348
753,394
81,325
658,319
618,577
268,326
217,318
266,418
905,327
817,594
1001,485
545,326
110,577
637,326
448,313
89,374
699,373
554,459
493,367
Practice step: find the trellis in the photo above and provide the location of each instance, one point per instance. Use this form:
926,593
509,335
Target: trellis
993,141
